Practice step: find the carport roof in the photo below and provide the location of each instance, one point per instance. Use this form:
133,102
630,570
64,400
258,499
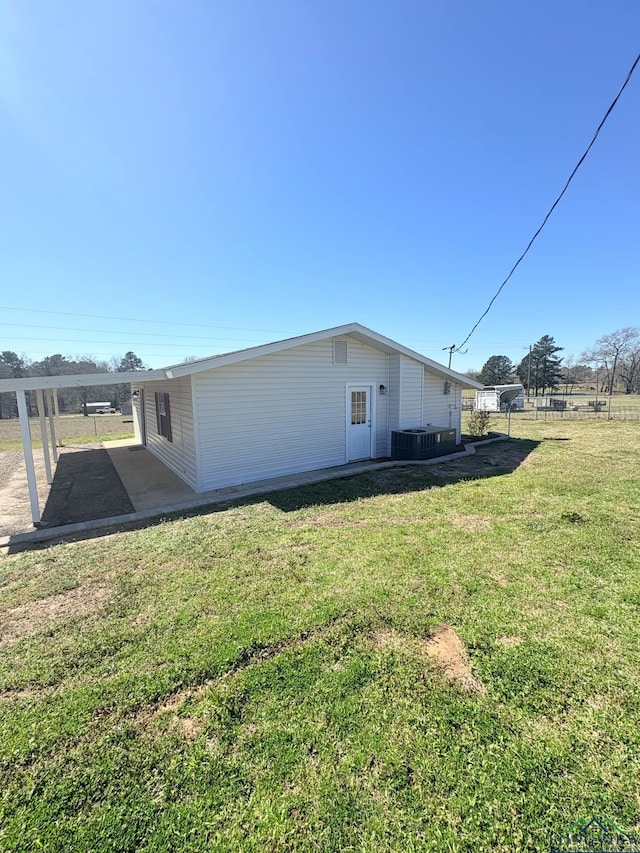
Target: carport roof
77,380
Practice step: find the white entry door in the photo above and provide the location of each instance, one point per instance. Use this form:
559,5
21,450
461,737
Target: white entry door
358,422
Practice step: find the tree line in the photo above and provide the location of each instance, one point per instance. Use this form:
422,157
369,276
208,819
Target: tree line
611,364
16,366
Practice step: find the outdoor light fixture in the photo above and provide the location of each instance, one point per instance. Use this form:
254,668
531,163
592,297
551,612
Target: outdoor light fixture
135,394
447,387
383,390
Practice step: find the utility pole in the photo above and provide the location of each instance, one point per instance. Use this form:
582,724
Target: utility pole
529,378
451,350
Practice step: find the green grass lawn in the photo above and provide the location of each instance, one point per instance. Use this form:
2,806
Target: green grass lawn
70,429
260,678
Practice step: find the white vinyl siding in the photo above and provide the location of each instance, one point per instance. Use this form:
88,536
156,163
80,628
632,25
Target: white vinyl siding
411,376
283,412
179,454
393,397
440,409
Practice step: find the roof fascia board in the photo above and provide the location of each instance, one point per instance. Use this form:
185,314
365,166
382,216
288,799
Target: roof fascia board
440,369
253,352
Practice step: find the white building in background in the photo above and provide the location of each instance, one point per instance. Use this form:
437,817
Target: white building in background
498,398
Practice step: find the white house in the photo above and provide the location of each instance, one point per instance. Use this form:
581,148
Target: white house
309,402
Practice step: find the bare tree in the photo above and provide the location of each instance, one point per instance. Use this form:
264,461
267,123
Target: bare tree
575,373
610,352
630,370
568,373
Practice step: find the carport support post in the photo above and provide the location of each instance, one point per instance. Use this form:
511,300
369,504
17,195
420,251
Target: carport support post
44,435
52,427
28,457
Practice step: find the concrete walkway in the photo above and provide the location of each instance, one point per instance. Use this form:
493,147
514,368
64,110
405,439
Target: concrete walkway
152,486
148,482
155,491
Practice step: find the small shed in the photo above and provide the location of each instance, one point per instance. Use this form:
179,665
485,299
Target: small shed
500,398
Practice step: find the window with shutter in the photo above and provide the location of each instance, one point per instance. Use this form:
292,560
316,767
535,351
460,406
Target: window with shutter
163,414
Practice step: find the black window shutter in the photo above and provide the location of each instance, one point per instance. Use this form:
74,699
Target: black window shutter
158,419
168,418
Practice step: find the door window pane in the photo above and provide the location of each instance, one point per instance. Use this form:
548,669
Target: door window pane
358,407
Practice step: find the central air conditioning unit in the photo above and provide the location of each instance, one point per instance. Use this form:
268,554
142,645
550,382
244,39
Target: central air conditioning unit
422,443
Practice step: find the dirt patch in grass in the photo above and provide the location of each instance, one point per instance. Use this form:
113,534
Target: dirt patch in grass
27,619
167,717
328,520
510,641
28,693
443,647
470,523
392,639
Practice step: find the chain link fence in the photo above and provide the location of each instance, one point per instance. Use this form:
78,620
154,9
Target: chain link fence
573,407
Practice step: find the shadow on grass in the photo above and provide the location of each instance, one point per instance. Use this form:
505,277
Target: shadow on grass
492,460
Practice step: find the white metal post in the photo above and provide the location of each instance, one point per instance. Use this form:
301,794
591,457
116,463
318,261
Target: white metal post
52,425
28,457
44,435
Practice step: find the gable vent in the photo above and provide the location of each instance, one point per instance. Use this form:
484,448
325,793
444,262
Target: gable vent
339,351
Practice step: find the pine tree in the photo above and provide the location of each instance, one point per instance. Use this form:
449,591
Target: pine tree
542,366
497,370
130,362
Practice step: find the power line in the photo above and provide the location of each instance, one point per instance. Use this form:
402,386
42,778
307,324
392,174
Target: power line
141,320
127,343
555,203
187,336
162,360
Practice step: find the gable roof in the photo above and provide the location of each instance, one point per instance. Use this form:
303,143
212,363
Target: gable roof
354,330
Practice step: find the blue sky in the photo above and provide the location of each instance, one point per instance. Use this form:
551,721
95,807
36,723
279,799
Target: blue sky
221,174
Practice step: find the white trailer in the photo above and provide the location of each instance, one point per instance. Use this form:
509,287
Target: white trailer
500,398
102,408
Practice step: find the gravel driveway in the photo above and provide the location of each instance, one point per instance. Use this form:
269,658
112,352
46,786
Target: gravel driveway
15,508
10,460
